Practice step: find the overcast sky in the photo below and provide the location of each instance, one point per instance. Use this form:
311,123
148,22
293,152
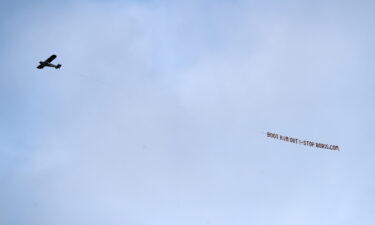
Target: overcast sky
159,113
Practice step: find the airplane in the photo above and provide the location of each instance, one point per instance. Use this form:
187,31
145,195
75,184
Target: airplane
48,63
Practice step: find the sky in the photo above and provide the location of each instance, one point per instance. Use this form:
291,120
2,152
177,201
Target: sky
160,111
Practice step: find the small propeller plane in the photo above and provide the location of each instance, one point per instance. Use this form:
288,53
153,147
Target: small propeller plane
48,63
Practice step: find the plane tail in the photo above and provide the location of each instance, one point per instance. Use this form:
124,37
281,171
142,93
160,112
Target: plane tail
58,66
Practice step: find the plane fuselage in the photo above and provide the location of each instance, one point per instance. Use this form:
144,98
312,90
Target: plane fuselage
49,64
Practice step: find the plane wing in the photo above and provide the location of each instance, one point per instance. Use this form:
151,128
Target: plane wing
40,67
51,58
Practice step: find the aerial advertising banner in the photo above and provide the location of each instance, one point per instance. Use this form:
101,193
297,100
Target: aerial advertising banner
302,142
